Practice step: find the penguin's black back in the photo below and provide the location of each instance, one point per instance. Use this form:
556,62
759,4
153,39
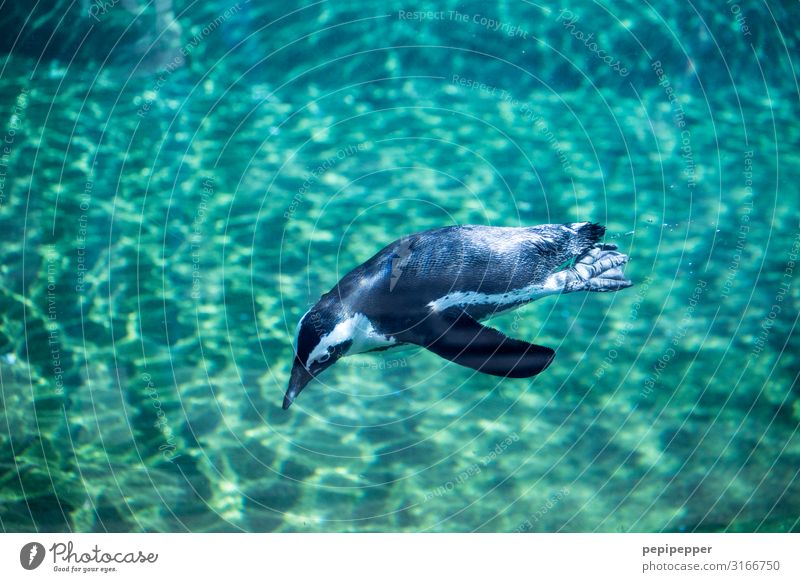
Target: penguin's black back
400,280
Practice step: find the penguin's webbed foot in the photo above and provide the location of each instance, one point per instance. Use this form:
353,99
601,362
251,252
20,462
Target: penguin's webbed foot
599,269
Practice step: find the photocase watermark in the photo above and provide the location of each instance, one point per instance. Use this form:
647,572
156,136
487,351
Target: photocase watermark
168,448
179,59
487,22
524,110
94,560
517,318
31,555
528,114
101,8
475,85
568,20
450,485
678,115
547,507
374,363
765,329
68,559
741,20
744,226
196,236
313,176
14,125
81,237
677,337
316,321
399,261
474,469
622,335
53,333
679,119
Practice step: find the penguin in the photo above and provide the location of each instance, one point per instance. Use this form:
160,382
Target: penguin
434,288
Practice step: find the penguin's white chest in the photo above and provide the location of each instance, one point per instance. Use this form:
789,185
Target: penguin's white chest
365,337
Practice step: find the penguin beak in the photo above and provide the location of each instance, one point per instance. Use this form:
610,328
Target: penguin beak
299,379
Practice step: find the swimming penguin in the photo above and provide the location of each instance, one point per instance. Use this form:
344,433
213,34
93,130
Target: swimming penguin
432,289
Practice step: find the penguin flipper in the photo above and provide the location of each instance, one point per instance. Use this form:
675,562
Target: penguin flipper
466,342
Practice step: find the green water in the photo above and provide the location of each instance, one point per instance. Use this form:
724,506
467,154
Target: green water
181,180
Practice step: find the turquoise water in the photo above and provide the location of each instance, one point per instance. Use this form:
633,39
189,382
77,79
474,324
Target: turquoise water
181,180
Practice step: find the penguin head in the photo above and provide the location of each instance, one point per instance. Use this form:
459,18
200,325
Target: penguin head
320,340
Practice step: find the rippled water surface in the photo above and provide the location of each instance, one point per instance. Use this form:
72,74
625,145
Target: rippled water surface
181,180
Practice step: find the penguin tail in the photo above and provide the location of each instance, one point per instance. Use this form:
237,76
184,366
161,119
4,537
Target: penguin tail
587,235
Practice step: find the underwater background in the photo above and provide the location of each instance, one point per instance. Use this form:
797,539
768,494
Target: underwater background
181,180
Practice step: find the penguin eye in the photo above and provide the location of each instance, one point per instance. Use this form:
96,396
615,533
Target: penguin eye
324,358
